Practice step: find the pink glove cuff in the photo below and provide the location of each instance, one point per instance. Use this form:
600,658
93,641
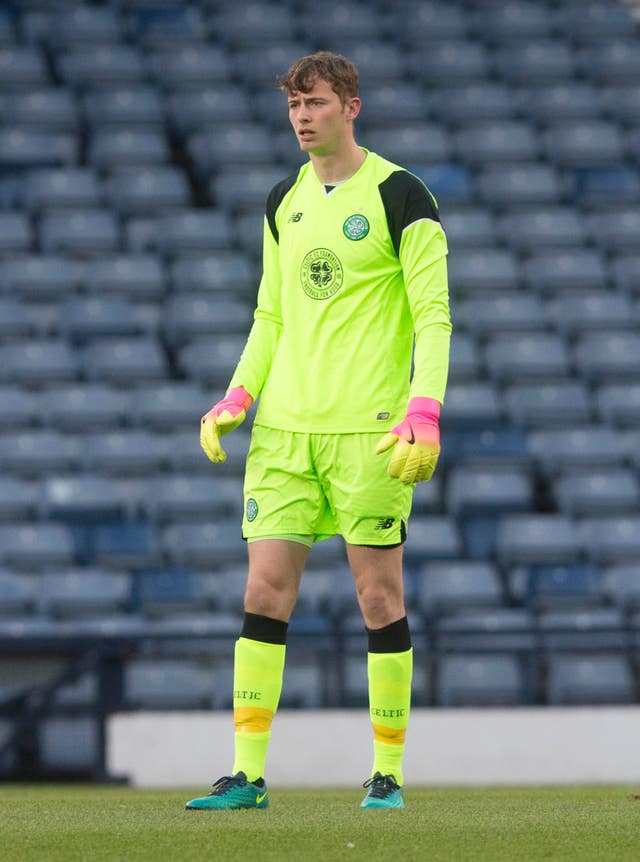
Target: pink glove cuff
239,396
424,406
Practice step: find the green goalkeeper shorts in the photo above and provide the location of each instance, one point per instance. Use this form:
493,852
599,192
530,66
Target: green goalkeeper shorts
322,485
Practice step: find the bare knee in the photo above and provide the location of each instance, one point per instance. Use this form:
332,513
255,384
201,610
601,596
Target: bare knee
268,595
380,603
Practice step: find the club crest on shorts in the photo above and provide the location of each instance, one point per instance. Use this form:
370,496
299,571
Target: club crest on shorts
252,509
321,273
356,227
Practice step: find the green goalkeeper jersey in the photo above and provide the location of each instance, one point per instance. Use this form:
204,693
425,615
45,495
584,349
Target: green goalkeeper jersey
350,279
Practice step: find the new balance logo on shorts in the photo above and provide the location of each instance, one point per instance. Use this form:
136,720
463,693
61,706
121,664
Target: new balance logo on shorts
385,523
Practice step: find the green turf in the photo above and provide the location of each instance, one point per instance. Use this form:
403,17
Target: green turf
47,823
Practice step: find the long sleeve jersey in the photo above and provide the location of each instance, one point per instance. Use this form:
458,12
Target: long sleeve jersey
351,280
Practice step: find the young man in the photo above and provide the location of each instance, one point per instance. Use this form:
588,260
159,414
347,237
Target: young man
354,269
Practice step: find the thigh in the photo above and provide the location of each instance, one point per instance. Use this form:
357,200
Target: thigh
369,507
282,493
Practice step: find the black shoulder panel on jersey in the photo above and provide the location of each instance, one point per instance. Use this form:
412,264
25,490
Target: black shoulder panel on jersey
276,196
406,199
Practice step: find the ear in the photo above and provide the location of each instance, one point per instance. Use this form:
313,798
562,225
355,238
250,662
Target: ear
352,108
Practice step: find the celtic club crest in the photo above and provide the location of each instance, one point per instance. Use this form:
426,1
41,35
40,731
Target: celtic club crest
321,274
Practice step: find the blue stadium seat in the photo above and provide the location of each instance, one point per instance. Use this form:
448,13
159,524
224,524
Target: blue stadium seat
562,587
427,496
589,679
394,103
595,22
302,685
211,363
579,448
253,67
79,231
565,100
135,276
554,270
486,490
164,592
15,232
185,318
327,552
18,407
86,25
479,680
242,191
378,62
185,454
47,109
621,102
165,24
611,539
519,185
614,61
540,61
414,143
626,273
430,20
62,187
563,403
537,538
193,230
130,545
19,499
248,230
464,359
101,66
114,147
515,19
32,148
617,230
82,592
253,24
147,190
449,183
608,355
455,585
605,492
543,227
194,110
31,453
496,141
124,452
82,498
498,447
491,630
204,545
471,405
168,684
583,143
432,538
16,319
38,360
167,406
353,21
485,270
621,584
231,144
606,187
450,62
527,356
137,105
619,403
124,360
577,313
22,67
81,407
512,312
17,593
192,65
83,318
40,276
472,102
35,546
470,227
221,272
180,497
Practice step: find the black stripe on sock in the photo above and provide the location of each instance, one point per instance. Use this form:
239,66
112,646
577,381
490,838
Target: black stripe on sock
259,628
392,638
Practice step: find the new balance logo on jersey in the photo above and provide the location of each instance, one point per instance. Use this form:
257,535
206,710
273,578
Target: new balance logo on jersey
294,217
385,523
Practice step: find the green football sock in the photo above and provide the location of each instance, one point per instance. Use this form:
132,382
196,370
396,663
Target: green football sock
257,682
389,704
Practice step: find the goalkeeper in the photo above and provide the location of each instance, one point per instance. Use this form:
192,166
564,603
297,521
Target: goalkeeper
354,273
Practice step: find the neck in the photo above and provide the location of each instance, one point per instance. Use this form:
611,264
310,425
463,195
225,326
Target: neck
338,166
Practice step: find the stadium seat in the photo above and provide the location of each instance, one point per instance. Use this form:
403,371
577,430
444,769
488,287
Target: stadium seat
166,24
448,182
486,270
22,67
479,680
15,232
595,22
496,141
114,148
253,24
84,318
616,230
33,148
621,102
516,19
583,143
168,406
167,592
135,276
222,272
464,360
451,586
379,62
185,318
508,313
621,584
411,144
147,190
79,231
204,545
61,187
137,105
590,679
33,452
472,102
619,403
498,447
606,492
40,276
192,65
124,452
432,538
606,187
430,20
167,684
527,356
82,593
193,498
125,546
611,539
543,227
35,361
560,587
586,448
561,101
80,24
47,109
124,360
211,363
613,61
539,61
608,355
186,455
491,630
477,490
394,104
353,21
17,593
230,145
15,319
537,538
450,62
427,496
18,407
577,313
253,67
82,498
521,185
210,107
470,227
193,230
19,499
35,546
101,66
564,403
554,271
244,191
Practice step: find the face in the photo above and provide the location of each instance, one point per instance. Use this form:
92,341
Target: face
319,119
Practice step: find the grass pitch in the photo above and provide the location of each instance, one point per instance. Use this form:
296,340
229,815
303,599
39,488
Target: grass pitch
68,823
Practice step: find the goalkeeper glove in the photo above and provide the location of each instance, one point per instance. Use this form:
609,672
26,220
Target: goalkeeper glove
222,418
417,442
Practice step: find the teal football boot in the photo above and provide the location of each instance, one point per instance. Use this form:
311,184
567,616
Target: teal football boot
383,792
232,791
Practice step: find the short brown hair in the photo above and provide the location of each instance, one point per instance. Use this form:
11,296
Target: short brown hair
335,69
